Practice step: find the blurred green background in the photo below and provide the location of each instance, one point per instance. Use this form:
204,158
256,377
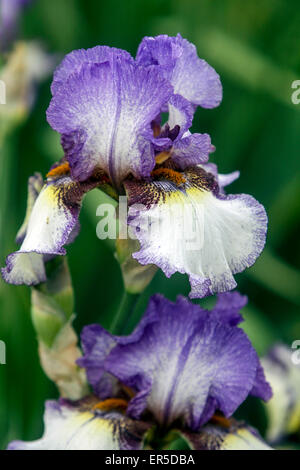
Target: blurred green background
254,46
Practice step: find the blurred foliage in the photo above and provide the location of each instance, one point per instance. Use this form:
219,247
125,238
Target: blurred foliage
255,48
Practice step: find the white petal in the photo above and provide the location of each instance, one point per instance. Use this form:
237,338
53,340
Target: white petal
194,232
50,224
68,428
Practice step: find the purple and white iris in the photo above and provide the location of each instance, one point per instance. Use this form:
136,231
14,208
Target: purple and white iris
180,367
108,108
182,362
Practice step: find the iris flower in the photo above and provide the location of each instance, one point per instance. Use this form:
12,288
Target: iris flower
108,108
183,368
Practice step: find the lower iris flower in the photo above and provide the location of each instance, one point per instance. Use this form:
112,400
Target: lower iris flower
183,370
107,108
183,362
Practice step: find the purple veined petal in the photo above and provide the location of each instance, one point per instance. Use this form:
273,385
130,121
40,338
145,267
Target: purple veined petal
73,62
185,225
96,345
52,223
228,307
104,113
186,365
191,150
191,77
261,388
72,427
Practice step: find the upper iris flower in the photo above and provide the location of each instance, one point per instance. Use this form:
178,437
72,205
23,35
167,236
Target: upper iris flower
107,108
184,369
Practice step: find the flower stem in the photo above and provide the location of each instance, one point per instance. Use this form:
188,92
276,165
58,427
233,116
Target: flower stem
126,308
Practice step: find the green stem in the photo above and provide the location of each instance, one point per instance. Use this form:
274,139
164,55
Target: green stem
126,308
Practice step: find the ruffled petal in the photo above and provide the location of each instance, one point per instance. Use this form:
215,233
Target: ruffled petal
73,62
96,345
77,427
104,113
52,223
261,388
191,77
184,363
228,307
184,224
191,150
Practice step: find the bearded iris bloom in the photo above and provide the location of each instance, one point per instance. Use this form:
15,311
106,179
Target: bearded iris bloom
107,107
184,363
183,368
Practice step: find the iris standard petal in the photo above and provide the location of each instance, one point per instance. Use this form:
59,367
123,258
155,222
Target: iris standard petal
184,224
76,59
78,427
53,222
184,364
191,150
104,113
186,149
191,77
